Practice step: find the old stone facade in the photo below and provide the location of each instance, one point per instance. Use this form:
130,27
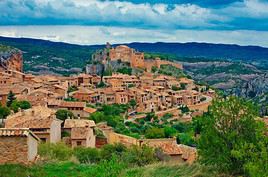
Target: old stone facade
17,146
126,54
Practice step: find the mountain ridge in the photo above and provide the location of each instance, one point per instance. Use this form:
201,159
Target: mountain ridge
187,49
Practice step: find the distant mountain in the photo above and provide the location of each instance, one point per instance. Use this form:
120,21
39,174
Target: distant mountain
63,58
206,50
197,52
41,56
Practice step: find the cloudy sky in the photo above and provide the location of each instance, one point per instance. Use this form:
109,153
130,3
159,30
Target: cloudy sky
242,22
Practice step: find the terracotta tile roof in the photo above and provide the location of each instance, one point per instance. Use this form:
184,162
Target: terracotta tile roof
90,110
35,123
169,146
16,132
53,102
71,123
72,104
36,117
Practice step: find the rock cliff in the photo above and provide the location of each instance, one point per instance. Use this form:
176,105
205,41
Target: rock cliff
10,59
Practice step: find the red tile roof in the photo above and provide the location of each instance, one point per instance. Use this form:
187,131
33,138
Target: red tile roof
16,132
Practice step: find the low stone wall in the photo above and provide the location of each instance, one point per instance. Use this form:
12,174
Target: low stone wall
173,111
128,141
201,107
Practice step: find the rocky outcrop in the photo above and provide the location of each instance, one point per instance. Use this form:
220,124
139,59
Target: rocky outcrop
257,86
11,60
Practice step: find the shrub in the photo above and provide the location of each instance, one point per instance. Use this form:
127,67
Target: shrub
4,112
139,155
154,133
108,150
169,132
97,117
58,151
24,104
63,114
87,155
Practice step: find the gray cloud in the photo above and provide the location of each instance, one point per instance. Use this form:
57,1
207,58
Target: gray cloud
235,16
100,34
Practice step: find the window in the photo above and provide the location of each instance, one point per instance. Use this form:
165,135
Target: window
43,139
79,143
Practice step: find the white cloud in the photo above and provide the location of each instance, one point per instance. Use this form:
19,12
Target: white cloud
100,35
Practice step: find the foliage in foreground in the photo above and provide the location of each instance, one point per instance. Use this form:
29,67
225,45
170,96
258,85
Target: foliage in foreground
232,140
107,168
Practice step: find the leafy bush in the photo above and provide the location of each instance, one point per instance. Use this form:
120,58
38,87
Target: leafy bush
125,70
139,155
58,151
154,133
87,155
169,132
4,112
63,114
16,105
108,150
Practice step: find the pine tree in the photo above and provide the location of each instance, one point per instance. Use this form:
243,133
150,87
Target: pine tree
10,98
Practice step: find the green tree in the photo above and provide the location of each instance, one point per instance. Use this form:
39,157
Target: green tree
72,89
169,132
175,88
132,103
184,109
63,114
10,98
24,104
4,112
140,156
97,117
154,133
228,126
183,86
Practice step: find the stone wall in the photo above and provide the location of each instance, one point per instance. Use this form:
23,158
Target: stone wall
13,150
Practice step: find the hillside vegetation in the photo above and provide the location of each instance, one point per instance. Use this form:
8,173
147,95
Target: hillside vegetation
107,169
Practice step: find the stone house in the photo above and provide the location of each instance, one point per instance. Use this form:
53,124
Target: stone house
83,94
18,146
81,132
40,120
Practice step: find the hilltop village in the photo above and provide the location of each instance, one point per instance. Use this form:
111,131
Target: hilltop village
119,76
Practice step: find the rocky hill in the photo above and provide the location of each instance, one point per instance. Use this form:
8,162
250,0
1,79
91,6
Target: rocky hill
10,58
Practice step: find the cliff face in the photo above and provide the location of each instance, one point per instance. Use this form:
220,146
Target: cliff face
256,90
255,87
11,60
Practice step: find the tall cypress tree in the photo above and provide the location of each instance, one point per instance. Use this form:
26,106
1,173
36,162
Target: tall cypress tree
10,98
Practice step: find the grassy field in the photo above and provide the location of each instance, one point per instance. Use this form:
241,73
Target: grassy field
105,169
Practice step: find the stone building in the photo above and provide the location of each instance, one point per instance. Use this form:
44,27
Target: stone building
18,146
126,54
81,132
40,120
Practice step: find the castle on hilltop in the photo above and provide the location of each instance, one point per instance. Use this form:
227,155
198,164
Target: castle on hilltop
113,56
127,54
